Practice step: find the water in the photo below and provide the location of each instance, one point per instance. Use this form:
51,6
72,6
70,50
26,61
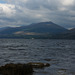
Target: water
59,53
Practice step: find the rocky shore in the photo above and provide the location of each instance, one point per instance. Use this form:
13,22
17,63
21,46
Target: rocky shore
21,69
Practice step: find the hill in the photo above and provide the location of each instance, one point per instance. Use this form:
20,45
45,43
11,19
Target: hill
42,27
70,34
36,30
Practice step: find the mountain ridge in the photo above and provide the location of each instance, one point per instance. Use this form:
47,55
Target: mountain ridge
38,30
42,27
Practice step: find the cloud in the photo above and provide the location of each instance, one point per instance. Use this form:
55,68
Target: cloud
67,2
24,12
7,9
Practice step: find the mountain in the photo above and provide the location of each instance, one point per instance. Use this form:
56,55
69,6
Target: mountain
42,27
70,34
72,30
3,28
45,27
42,30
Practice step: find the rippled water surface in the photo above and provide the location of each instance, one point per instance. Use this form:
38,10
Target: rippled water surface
59,53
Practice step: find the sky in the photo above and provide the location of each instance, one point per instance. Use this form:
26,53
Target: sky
24,12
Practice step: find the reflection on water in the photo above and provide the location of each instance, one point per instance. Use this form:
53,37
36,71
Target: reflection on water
59,53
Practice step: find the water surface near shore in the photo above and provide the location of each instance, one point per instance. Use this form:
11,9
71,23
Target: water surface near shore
59,53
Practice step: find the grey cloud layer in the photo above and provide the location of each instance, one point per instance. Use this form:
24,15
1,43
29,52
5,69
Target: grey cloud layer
23,12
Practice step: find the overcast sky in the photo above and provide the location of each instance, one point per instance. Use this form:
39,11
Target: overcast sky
24,12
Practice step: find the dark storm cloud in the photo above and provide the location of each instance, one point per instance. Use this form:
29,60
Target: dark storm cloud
24,12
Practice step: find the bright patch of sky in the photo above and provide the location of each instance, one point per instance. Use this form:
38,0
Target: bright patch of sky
1,1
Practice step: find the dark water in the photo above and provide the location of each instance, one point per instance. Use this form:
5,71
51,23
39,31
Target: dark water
59,53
